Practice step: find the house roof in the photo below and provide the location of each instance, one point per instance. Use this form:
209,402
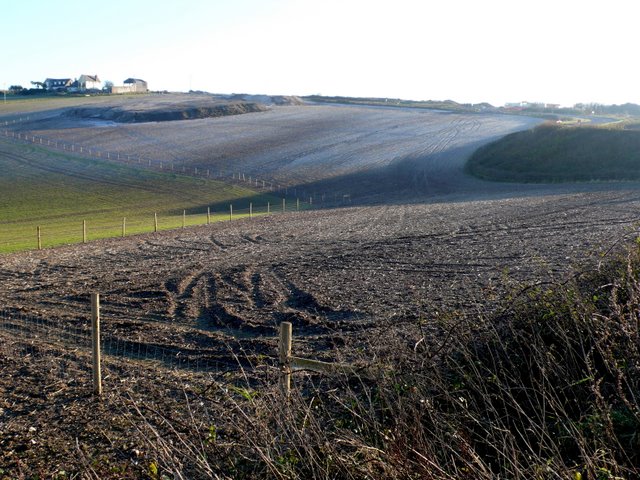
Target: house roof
89,78
134,80
64,80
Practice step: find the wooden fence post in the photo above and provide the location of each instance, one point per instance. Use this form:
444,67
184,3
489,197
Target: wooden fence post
230,212
124,226
297,204
208,215
39,238
95,342
84,231
250,210
284,208
268,207
285,354
155,222
184,217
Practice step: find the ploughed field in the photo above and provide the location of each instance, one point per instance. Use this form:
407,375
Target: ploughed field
421,241
426,237
361,151
333,273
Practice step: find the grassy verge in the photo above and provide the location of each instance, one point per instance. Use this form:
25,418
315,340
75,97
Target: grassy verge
58,192
551,153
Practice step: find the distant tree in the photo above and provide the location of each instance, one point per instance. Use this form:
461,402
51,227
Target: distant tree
107,85
16,88
39,85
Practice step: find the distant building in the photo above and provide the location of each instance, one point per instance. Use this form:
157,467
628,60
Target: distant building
89,82
137,85
131,85
57,83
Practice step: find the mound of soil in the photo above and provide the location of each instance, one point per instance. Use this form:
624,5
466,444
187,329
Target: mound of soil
165,113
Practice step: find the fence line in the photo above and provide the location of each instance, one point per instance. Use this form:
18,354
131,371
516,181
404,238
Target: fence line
77,334
87,337
221,174
86,230
62,236
226,175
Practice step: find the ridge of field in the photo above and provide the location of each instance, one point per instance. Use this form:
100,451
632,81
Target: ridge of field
57,191
448,105
404,151
551,153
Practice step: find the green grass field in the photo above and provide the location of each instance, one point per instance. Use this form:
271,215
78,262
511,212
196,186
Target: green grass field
57,192
550,153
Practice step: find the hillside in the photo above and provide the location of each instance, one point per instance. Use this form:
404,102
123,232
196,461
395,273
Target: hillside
328,146
484,330
57,192
551,153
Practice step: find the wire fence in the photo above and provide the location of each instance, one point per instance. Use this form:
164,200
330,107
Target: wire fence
76,229
36,332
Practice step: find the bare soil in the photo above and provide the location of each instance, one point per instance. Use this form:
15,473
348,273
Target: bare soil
326,270
349,279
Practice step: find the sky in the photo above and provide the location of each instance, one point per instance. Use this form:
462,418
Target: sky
470,51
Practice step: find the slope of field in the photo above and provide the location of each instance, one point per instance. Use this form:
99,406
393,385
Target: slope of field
417,152
57,192
552,153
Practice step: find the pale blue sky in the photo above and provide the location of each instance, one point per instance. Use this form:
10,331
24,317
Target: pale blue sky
560,51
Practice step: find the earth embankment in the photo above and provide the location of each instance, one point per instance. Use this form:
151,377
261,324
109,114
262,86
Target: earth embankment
165,114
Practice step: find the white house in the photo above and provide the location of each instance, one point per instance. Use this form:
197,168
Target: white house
89,82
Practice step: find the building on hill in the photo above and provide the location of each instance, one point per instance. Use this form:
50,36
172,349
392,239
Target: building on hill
131,85
57,83
89,82
137,85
